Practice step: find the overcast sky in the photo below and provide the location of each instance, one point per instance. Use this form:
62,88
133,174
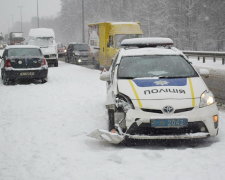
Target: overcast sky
10,11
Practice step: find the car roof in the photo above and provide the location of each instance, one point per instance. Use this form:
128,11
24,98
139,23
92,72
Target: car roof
150,51
21,46
148,46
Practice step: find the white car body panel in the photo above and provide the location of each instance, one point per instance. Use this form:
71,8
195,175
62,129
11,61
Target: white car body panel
161,88
49,50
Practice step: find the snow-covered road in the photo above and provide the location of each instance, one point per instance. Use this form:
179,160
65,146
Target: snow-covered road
43,136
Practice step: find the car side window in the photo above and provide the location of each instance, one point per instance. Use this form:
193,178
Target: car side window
5,54
70,47
110,43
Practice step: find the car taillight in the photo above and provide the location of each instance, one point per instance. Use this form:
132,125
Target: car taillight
43,62
8,63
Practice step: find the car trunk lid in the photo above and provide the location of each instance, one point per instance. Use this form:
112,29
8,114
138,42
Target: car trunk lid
28,62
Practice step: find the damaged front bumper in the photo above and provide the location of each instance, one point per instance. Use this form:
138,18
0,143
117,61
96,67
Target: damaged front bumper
138,126
115,138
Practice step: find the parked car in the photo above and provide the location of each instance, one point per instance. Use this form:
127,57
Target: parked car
23,62
78,53
153,92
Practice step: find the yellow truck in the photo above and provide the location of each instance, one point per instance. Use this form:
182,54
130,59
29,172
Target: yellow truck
104,39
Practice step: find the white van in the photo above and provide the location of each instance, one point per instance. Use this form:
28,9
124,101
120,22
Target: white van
45,39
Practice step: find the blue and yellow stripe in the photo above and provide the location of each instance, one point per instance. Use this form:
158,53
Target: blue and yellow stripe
192,92
135,93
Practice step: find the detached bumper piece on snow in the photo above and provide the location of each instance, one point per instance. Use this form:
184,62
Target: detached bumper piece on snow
195,130
107,136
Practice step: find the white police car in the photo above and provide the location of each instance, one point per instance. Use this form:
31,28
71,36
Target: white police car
153,92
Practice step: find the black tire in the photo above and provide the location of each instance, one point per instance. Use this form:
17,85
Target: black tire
67,59
44,80
111,121
5,80
75,60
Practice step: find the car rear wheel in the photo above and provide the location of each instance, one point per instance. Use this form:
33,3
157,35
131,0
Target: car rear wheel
5,80
44,80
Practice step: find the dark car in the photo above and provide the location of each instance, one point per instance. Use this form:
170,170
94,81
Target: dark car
78,53
21,62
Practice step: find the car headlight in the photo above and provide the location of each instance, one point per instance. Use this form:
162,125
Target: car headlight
124,102
206,99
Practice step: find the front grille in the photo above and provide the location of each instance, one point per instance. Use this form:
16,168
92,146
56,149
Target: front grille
183,110
161,112
152,110
146,129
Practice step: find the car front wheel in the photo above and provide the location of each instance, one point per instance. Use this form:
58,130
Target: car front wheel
111,121
44,80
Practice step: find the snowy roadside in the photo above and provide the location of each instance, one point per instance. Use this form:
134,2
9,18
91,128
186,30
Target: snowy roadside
43,136
209,64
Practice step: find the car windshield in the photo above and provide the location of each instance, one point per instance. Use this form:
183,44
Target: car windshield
120,37
24,52
160,66
81,47
42,41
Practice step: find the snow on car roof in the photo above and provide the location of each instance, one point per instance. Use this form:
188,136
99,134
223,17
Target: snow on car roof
147,42
150,51
42,32
21,46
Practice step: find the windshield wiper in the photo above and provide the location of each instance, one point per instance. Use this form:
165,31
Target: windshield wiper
126,77
174,77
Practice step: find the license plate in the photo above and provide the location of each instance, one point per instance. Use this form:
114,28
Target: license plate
26,73
169,123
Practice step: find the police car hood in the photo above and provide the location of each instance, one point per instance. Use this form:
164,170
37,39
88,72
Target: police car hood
156,89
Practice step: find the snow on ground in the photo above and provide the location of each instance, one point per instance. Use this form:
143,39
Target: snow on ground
43,136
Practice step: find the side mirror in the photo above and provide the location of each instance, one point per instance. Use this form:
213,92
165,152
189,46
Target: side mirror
105,76
204,73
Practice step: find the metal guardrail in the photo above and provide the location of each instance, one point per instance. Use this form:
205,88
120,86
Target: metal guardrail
216,80
205,54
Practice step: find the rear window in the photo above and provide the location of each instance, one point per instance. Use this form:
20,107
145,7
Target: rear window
24,52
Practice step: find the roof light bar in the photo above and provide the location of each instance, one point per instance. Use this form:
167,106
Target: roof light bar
147,42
